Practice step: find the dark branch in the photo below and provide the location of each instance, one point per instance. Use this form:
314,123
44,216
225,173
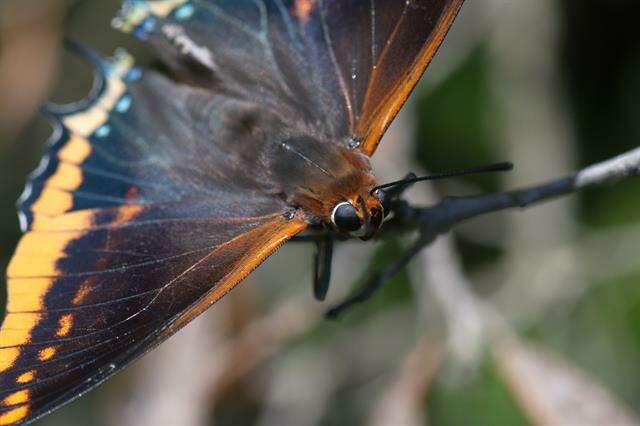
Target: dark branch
438,219
441,218
377,280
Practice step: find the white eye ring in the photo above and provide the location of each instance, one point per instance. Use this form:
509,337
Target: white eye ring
345,218
335,209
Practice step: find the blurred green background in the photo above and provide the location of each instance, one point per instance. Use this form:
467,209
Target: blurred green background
553,85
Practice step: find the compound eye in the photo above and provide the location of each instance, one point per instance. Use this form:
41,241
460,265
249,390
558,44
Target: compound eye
345,217
385,200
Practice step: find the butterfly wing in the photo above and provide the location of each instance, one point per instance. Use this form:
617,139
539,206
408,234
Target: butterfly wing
343,66
127,239
89,290
405,43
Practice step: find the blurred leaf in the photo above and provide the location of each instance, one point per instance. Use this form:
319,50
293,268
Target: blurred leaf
392,292
483,401
612,205
553,392
458,122
603,336
458,128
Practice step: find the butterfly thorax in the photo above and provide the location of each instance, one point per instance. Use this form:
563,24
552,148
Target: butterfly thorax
265,152
320,178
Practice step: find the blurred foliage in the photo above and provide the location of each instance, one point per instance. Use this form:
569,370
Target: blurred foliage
601,71
459,121
457,127
610,315
482,402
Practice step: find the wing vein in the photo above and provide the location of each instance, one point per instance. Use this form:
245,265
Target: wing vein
334,61
396,28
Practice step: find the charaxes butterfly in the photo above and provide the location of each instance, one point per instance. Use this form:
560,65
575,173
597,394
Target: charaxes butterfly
157,195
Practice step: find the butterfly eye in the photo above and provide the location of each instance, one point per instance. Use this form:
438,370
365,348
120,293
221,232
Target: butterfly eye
345,217
385,200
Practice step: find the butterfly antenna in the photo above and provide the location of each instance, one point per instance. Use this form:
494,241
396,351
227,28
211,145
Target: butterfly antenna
497,167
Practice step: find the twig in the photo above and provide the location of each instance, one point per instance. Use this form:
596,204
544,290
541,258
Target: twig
261,339
403,402
554,392
301,385
170,385
469,321
575,268
548,389
439,219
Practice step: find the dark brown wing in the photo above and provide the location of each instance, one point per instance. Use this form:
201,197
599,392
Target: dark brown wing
342,66
406,46
128,237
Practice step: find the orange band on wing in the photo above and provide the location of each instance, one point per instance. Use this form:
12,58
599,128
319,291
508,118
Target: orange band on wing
302,9
75,151
71,221
18,413
35,257
30,266
47,353
75,221
26,295
26,377
8,357
46,242
16,398
52,201
126,214
67,177
82,293
14,415
65,323
16,330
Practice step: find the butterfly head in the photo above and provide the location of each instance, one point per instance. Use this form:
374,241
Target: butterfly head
359,216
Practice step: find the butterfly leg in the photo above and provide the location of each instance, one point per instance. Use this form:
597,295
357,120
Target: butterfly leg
377,280
322,267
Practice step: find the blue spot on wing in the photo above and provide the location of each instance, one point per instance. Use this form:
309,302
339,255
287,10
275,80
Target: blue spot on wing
184,12
124,104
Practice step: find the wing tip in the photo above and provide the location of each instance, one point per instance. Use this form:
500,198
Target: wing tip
120,66
111,76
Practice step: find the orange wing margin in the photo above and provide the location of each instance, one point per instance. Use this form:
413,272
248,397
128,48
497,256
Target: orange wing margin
114,262
377,115
49,356
262,242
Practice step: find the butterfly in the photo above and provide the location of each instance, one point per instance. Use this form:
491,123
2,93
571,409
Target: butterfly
158,194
